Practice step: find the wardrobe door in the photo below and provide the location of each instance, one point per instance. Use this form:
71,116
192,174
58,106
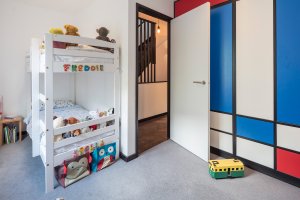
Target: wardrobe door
288,61
255,59
221,59
255,81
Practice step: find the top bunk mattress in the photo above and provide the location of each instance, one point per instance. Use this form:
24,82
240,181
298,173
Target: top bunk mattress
84,56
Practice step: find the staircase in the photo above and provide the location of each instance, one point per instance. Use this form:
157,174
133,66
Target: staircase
146,51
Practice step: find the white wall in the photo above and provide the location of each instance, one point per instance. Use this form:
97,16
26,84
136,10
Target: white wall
20,21
166,7
153,99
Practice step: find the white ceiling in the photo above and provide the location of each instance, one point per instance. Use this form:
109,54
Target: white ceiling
59,5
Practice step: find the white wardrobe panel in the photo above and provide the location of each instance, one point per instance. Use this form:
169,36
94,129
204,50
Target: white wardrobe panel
255,152
220,121
288,137
221,141
254,69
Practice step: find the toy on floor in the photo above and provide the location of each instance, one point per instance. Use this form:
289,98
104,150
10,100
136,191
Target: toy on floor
73,170
226,168
103,156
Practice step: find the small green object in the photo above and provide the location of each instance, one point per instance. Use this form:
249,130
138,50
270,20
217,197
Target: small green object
219,169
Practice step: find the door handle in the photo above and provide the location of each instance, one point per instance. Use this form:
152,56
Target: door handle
200,82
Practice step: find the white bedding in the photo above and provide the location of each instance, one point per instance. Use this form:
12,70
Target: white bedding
65,112
66,109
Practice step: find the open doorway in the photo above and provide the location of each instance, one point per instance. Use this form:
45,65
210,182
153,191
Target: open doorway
152,78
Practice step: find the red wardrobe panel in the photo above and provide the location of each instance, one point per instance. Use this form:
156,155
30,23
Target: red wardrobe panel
183,6
288,162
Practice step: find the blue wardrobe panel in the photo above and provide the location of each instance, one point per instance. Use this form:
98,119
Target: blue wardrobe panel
255,129
288,61
221,59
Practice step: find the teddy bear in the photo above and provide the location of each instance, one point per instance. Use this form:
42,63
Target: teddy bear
71,30
57,123
71,121
103,33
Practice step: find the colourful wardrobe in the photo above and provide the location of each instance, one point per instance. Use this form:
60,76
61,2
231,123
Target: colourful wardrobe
255,83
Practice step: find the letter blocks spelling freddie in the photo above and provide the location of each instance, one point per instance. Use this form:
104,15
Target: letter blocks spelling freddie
226,168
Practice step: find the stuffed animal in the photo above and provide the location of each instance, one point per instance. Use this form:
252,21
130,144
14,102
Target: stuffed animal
73,170
85,130
71,121
103,33
57,123
71,30
103,156
58,31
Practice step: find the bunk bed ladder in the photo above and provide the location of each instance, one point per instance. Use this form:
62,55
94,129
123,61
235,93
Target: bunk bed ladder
35,91
49,162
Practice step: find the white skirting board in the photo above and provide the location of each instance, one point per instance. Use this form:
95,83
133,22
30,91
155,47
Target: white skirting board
255,152
221,141
288,137
220,121
255,58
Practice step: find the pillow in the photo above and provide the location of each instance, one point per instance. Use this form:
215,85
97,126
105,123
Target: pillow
58,104
62,104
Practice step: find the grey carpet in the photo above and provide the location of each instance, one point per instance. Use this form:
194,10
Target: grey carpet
166,171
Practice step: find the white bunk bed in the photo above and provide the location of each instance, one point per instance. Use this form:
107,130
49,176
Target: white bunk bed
49,62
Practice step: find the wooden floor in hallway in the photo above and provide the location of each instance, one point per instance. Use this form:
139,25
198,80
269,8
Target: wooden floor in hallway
152,133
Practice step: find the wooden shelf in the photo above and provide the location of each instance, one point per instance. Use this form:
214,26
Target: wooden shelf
16,120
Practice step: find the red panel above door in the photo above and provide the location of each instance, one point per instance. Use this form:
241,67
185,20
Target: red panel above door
288,162
183,6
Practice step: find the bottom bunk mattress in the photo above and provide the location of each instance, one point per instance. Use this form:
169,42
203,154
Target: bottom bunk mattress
65,112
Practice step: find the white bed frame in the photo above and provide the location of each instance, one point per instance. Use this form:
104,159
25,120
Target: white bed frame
45,123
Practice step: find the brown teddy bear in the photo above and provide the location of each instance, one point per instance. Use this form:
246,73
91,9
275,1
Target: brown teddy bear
71,30
103,33
73,120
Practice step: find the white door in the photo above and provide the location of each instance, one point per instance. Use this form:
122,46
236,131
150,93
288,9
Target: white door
190,64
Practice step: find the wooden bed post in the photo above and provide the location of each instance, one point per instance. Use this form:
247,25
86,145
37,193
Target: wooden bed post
49,166
35,102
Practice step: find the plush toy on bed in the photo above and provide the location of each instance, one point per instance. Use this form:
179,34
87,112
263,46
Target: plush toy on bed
58,31
57,123
71,30
71,121
103,156
73,170
103,33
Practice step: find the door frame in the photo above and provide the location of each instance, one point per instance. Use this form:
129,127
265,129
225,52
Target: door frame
156,14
